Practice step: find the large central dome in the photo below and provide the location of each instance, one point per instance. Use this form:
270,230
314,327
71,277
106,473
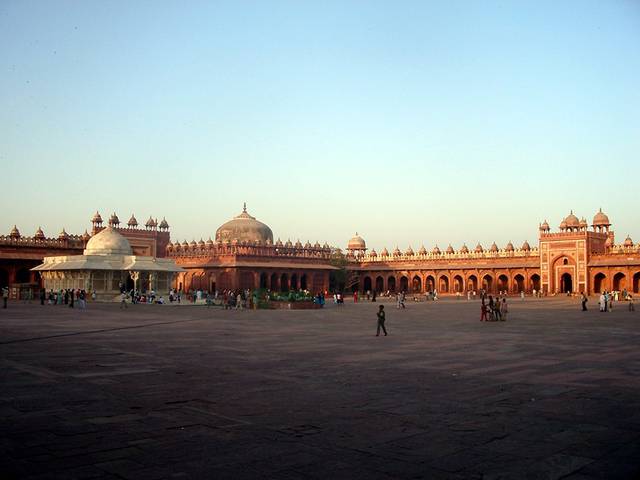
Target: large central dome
244,228
108,242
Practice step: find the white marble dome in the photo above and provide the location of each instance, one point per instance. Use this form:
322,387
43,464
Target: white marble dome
108,242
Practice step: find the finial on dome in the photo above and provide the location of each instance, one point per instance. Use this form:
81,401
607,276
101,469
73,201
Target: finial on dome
244,207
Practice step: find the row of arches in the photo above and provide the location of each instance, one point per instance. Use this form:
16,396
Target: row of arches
444,283
21,275
274,280
618,281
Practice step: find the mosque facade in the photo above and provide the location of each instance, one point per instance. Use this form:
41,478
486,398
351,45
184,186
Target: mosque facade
577,257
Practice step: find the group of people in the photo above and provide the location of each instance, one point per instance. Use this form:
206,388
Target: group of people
607,300
69,296
493,310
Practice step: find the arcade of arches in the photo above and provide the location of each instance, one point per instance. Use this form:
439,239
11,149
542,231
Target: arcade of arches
449,282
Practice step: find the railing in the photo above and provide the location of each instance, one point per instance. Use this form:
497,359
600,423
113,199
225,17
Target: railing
534,252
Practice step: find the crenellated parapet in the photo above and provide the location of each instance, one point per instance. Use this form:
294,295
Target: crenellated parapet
40,240
438,256
248,249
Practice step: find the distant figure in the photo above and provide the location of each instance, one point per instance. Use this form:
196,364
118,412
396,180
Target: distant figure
373,296
483,311
584,302
381,319
43,296
355,297
5,297
521,294
632,307
603,302
504,310
123,300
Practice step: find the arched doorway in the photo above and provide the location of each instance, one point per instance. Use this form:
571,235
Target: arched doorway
566,283
391,284
599,282
430,283
503,283
619,281
416,284
636,283
367,284
379,284
4,278
263,280
404,284
294,282
487,283
458,284
284,283
23,275
472,283
535,282
303,281
273,282
518,284
444,284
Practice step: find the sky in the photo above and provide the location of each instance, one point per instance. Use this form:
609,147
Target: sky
409,122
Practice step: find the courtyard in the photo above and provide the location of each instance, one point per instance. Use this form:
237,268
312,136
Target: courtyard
156,392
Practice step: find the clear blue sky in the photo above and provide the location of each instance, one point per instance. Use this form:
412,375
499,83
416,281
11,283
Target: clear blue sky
410,122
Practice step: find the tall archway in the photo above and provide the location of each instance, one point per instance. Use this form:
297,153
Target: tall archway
599,282
367,284
458,284
404,284
294,282
535,282
518,283
619,281
503,283
430,283
273,282
566,283
303,282
4,278
487,283
416,284
636,282
443,284
263,280
379,284
284,282
472,283
391,284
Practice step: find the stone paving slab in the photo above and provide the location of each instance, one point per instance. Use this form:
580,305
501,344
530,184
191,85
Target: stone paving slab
157,392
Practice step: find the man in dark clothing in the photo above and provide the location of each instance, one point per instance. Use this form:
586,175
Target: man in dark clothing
584,302
381,319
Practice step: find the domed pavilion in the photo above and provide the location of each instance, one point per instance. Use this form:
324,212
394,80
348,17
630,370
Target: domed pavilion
106,266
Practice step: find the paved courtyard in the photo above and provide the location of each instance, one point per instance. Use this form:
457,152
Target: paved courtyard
189,392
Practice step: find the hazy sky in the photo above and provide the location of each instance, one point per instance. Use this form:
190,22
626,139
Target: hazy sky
409,122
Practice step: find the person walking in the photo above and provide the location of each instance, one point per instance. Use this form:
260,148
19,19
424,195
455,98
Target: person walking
504,310
602,302
632,307
497,313
5,297
483,311
43,295
123,300
584,302
381,320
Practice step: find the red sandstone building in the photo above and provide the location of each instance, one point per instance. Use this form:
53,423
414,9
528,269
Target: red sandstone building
575,258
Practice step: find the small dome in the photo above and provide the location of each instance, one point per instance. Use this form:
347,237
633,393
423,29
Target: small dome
108,242
583,223
298,244
114,220
163,224
326,246
307,244
525,246
422,251
563,225
96,218
600,219
450,249
572,221
409,251
63,235
494,247
436,250
397,252
278,243
244,227
149,223
356,243
544,227
193,243
509,247
373,253
384,252
317,245
464,248
288,243
185,244
628,242
39,234
201,243
608,242
478,248
132,221
15,233
209,242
